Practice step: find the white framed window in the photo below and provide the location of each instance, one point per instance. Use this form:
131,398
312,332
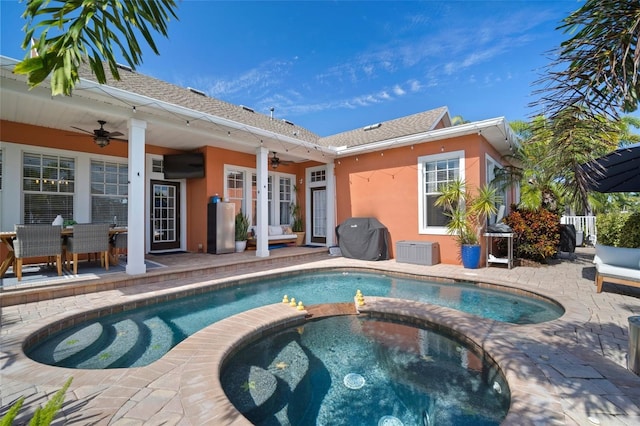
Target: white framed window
285,194
236,191
319,175
434,172
48,187
241,189
109,192
157,165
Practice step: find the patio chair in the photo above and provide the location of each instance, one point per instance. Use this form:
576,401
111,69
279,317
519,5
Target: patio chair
119,245
89,238
37,241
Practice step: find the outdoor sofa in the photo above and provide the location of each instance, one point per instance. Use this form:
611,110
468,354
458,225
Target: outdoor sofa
277,234
618,265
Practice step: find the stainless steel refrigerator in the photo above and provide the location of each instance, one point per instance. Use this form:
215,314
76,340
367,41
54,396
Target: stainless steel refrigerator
221,228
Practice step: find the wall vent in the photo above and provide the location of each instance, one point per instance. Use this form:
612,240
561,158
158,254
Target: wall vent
246,108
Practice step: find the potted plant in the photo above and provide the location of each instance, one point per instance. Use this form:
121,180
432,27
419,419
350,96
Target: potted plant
468,215
242,228
297,227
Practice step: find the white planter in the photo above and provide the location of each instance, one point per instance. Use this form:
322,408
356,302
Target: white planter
241,246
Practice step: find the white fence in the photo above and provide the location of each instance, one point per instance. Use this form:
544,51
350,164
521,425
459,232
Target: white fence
586,224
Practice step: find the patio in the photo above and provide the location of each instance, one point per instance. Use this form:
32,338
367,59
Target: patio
571,371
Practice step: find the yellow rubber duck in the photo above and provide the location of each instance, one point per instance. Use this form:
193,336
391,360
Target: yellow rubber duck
300,306
293,302
285,299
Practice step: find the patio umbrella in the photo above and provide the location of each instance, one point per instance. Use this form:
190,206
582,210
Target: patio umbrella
618,171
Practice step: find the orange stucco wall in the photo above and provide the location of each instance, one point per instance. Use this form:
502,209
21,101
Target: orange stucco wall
381,185
384,185
200,191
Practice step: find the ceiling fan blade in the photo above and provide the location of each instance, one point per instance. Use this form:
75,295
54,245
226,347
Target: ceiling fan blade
82,130
113,134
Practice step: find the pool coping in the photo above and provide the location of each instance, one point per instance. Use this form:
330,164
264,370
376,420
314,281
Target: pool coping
181,382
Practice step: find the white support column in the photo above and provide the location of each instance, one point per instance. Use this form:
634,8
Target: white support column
137,218
262,213
331,204
11,194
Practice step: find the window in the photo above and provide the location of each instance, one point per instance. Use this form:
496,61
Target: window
157,165
435,172
318,176
254,199
235,189
285,200
48,184
242,190
109,190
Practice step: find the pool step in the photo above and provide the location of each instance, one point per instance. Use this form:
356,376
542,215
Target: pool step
331,310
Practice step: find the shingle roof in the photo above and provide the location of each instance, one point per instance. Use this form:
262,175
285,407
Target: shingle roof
403,126
154,88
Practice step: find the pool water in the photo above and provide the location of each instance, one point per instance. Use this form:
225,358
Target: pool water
358,371
140,336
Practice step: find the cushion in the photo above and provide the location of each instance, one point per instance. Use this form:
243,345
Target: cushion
618,272
618,256
286,229
275,230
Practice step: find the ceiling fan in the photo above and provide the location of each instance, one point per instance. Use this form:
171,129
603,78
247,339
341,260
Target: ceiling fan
101,136
275,161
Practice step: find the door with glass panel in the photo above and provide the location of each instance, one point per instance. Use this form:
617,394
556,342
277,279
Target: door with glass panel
165,215
319,215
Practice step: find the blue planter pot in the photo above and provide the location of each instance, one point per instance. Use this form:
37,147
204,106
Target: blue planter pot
470,256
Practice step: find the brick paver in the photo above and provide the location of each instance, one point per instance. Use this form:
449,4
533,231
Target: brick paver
571,371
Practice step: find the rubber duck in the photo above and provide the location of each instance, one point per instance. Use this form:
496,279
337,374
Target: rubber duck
358,292
285,299
300,306
361,301
293,302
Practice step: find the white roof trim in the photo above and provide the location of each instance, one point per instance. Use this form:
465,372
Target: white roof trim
435,135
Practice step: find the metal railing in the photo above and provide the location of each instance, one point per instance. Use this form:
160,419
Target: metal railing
586,224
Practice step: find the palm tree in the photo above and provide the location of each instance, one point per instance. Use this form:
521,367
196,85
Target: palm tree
547,162
624,125
64,35
598,69
458,120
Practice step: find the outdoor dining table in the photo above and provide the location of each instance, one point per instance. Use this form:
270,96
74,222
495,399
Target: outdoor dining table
7,237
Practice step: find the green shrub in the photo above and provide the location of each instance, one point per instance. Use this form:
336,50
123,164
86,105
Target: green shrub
619,229
609,225
537,233
43,415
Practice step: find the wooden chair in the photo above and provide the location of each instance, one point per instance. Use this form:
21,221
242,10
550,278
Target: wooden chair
89,238
37,241
119,245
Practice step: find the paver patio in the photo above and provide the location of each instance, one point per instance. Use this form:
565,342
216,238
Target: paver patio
569,371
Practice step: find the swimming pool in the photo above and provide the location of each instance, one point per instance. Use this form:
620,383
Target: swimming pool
141,336
352,371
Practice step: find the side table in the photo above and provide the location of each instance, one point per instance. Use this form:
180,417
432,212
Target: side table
489,237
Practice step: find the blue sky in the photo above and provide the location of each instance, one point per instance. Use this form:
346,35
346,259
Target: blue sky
333,66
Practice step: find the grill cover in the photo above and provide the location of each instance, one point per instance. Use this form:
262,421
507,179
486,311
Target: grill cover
363,238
